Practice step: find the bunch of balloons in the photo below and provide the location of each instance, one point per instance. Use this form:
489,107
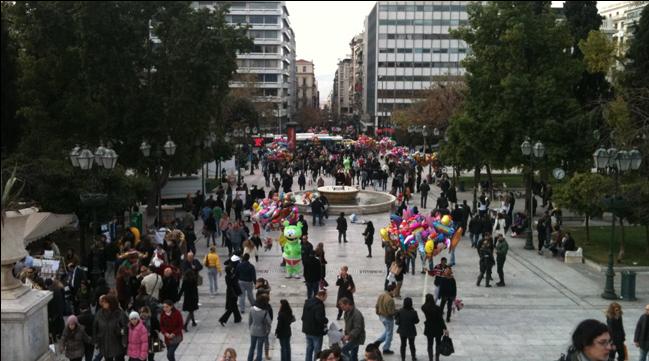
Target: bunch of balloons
365,142
278,150
427,235
386,144
271,213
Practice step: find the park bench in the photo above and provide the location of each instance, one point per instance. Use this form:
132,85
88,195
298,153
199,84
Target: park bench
574,256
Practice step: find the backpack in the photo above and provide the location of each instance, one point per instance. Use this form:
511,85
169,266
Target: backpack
570,353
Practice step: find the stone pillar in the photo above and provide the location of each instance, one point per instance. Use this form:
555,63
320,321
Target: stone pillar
25,335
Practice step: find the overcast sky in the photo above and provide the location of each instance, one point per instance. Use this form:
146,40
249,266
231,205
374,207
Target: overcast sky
323,30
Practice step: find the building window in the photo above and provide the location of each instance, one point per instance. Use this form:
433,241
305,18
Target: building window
267,78
263,34
304,69
263,5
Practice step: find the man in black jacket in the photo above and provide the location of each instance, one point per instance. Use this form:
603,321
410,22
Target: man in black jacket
87,319
342,227
424,188
314,324
247,276
312,274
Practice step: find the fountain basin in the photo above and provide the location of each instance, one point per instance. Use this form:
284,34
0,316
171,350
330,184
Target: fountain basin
339,194
365,202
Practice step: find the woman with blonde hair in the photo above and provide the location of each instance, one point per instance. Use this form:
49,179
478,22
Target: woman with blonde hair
614,322
229,355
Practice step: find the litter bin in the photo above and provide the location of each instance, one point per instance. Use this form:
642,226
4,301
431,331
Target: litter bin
461,187
628,286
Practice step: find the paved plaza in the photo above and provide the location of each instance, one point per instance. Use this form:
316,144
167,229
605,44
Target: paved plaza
530,319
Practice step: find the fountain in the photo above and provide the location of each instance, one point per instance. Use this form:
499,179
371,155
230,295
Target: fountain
339,194
348,200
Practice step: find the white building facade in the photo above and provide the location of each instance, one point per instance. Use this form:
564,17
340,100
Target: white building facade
619,20
272,63
407,48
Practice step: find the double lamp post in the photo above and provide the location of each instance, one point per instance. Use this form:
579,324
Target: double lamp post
240,136
169,149
613,162
531,152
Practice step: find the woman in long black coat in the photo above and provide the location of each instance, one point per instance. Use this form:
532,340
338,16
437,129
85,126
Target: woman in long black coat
346,288
369,237
232,293
406,319
190,289
434,326
614,322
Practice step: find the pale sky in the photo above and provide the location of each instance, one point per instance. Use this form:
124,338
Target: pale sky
323,30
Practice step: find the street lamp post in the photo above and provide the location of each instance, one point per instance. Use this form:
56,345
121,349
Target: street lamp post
169,149
536,151
239,136
84,159
614,162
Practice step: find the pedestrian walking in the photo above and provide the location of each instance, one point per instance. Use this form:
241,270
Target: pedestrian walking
138,338
346,288
209,229
434,326
424,188
189,289
312,274
109,327
386,311
229,355
232,293
407,319
354,329
475,230
641,334
314,324
73,339
486,261
259,324
171,327
247,275
341,226
285,318
590,341
447,291
368,235
213,265
320,253
501,255
616,329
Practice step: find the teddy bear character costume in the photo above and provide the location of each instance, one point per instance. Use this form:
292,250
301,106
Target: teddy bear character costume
293,249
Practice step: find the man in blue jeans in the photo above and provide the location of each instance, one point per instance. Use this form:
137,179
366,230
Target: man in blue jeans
314,324
386,310
354,329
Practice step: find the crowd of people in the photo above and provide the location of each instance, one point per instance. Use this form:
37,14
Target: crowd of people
122,298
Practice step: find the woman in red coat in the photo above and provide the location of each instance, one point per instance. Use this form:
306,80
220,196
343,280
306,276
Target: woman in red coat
171,326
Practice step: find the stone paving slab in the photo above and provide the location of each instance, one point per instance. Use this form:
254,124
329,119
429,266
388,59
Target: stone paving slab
530,319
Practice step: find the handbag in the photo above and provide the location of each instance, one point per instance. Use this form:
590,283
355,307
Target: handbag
177,339
394,268
155,344
446,346
199,280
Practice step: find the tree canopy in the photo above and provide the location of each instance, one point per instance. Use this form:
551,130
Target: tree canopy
122,72
520,78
